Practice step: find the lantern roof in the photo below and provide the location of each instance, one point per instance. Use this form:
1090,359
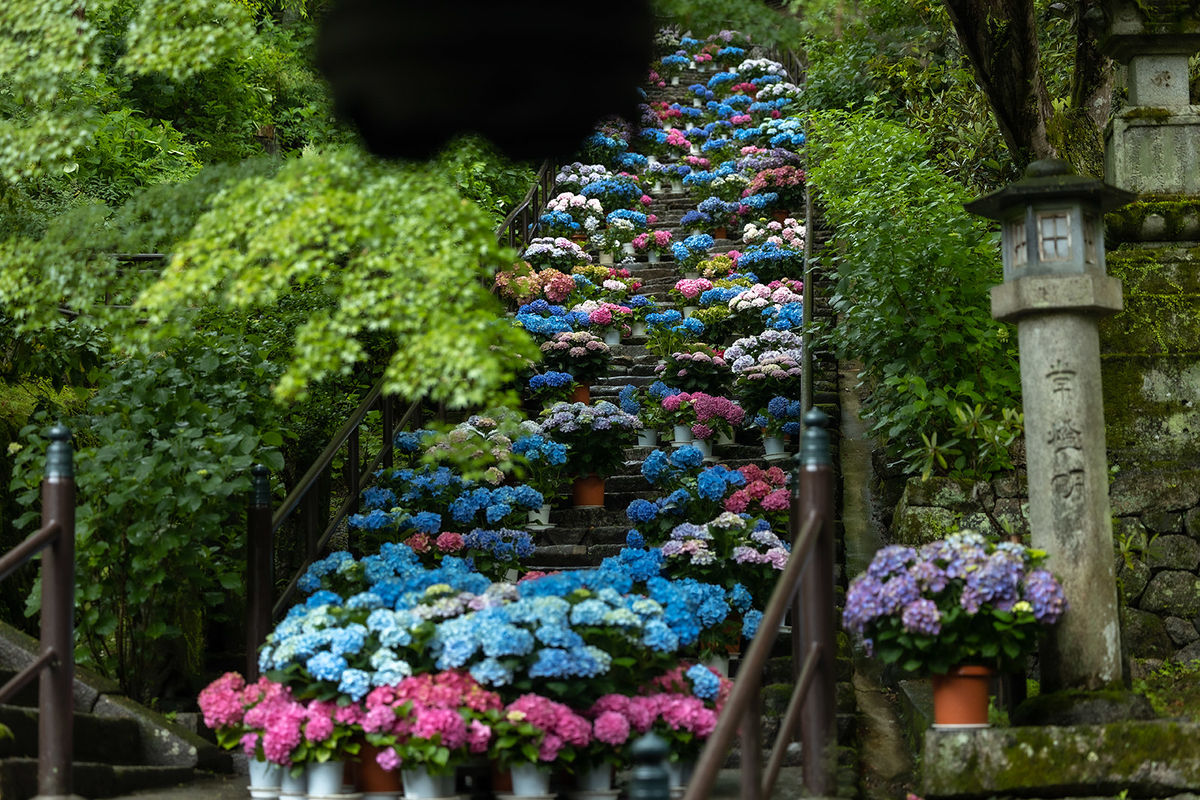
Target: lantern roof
1049,180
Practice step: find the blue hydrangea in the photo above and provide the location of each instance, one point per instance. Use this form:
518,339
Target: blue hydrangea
750,623
634,539
326,666
705,684
492,672
640,510
356,683
739,598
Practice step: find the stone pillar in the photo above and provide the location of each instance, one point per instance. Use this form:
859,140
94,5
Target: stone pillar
1069,515
1056,288
1153,144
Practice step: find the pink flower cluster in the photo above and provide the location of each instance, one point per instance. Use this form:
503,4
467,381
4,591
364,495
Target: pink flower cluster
276,723
223,701
766,487
561,726
745,87
675,138
577,344
682,712
432,707
675,681
691,288
658,240
557,286
446,542
759,296
739,119
609,314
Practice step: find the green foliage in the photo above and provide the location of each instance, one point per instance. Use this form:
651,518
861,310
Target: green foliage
486,176
401,252
763,24
183,39
1173,689
913,278
162,473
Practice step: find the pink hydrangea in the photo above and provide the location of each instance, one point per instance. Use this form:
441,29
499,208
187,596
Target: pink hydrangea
691,288
612,728
479,736
221,701
778,500
388,759
441,724
449,542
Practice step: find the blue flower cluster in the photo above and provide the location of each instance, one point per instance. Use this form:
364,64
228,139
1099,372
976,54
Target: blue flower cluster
494,504
721,79
720,110
627,400
717,208
715,143
701,91
662,466
503,544
641,301
719,295
676,62
781,409
540,448
613,193
784,317
631,162
739,101
636,217
659,390
770,257
663,319
705,177
411,441
766,80
558,221
760,202
695,218
550,380
601,148
376,497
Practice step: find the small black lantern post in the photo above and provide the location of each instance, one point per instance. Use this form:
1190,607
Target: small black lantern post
1055,289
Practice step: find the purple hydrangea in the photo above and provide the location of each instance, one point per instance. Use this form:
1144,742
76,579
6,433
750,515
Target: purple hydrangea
922,616
1046,596
891,560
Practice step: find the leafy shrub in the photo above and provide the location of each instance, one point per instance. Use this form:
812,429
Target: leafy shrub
162,471
913,278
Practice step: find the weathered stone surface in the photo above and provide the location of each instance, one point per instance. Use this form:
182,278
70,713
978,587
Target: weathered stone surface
1187,654
164,743
1172,592
1173,551
1014,511
951,493
1144,635
1163,521
1136,491
1132,577
1181,631
1191,523
1014,485
916,525
18,649
1076,707
1157,154
1146,758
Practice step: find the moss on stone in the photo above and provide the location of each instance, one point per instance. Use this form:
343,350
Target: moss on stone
1078,141
1180,213
1147,113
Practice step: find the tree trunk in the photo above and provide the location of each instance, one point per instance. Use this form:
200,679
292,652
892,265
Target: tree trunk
1000,39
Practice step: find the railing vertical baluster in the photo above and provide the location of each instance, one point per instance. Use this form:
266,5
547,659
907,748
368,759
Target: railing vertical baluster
310,520
818,717
751,761
389,427
260,566
353,472
56,693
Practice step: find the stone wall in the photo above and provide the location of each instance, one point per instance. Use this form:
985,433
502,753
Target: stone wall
1156,530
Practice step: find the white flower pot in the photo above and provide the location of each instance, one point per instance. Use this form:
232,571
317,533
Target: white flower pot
265,775
679,772
651,160
724,439
677,186
647,438
689,310
325,778
530,780
606,258
705,447
691,275
597,778
380,795
719,663
638,329
696,103
683,435
694,150
293,786
612,337
773,445
674,80
541,516
657,188
627,249
420,785
653,257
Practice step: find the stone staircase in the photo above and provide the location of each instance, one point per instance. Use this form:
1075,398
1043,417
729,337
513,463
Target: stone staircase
119,745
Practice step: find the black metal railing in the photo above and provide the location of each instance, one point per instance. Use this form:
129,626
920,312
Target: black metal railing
807,588
55,663
308,498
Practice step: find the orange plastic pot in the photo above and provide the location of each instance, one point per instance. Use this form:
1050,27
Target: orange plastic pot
720,233
960,697
588,492
581,394
779,216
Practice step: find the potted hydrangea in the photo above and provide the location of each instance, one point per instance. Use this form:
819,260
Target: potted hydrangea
653,244
690,252
584,355
958,608
550,253
595,436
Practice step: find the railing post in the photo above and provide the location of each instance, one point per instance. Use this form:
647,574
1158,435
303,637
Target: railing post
818,718
650,780
260,567
387,407
751,750
56,695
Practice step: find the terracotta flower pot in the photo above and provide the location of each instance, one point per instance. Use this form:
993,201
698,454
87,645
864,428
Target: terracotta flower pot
371,776
588,492
960,697
720,233
779,216
581,394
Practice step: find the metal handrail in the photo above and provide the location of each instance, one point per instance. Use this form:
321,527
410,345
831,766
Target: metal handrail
55,662
806,586
517,226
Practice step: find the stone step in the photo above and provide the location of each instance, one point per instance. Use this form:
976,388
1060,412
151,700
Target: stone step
18,777
101,739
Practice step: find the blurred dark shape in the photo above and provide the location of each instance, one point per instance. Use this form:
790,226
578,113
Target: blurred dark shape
533,76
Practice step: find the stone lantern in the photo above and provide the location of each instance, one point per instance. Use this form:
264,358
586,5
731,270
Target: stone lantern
1055,289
